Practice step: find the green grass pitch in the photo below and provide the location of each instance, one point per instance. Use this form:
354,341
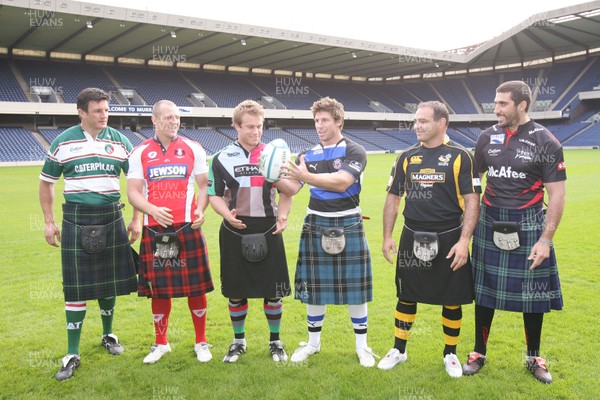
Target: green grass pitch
33,335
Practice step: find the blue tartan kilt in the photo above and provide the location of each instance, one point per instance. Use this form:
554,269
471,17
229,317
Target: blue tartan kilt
344,278
108,273
502,278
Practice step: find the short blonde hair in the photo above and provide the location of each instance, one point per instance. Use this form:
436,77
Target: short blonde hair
247,107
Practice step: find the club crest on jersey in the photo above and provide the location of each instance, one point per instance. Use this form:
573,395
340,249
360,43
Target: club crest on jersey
163,172
179,153
152,154
337,163
444,160
497,139
109,149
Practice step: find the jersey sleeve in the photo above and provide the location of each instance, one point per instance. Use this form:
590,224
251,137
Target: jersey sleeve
216,183
129,149
200,161
468,182
355,160
53,168
136,170
480,166
397,177
553,163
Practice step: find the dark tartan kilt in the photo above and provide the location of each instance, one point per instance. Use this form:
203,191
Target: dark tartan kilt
242,279
502,278
432,282
344,278
108,273
186,275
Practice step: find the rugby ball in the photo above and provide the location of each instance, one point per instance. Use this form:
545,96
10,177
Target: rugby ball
275,155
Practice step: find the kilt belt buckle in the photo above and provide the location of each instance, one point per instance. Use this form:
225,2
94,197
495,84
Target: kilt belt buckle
506,235
93,238
167,245
333,239
425,245
254,247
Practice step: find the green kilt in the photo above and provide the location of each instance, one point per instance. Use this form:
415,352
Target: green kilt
503,280
108,273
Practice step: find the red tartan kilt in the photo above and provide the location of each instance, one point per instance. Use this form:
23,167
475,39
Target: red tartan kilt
184,276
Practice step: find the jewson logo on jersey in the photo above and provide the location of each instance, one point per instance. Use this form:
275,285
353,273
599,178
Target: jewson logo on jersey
497,139
246,170
505,172
175,171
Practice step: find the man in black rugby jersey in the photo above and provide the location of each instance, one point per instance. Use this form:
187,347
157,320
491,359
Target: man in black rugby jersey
441,196
513,259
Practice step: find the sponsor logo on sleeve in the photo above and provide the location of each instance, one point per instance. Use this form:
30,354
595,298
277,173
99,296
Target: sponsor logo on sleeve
561,166
355,165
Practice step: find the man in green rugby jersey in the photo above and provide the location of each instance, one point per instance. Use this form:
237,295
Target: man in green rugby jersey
97,262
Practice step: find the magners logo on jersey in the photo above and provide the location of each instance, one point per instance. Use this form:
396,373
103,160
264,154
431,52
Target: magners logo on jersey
160,172
428,175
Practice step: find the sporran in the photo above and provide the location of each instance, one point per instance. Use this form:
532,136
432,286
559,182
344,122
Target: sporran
506,235
167,245
93,238
333,240
425,245
254,247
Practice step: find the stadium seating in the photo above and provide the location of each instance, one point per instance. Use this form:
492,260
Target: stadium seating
11,90
555,86
18,144
66,79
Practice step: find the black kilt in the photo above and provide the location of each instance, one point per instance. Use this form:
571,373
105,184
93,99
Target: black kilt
432,282
241,278
108,273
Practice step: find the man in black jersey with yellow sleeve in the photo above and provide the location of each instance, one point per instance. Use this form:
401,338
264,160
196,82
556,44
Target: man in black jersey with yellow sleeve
441,196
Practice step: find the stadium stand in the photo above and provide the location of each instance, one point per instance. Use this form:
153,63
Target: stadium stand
225,90
18,144
558,85
66,79
11,90
154,84
211,140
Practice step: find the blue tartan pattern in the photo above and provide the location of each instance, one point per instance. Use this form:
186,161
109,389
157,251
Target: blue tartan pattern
322,278
502,278
108,273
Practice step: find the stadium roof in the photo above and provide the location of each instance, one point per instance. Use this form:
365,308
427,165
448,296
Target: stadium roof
51,27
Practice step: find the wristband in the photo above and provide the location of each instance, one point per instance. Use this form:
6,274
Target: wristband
546,241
